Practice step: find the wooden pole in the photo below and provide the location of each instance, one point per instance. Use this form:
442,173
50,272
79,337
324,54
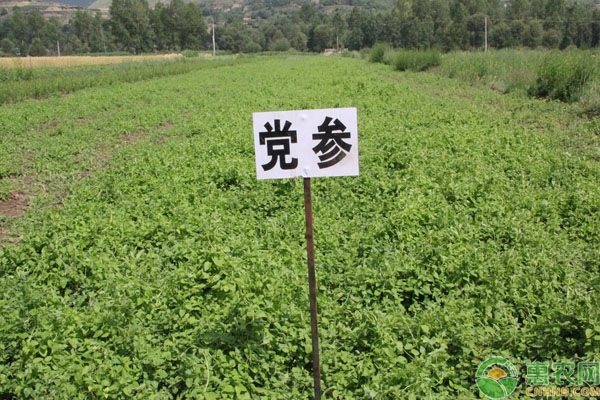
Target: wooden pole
213,40
312,287
486,34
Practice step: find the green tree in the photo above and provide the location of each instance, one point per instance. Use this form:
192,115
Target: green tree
281,44
295,36
35,25
518,9
355,35
500,36
457,34
130,24
476,27
97,38
578,28
440,13
158,17
192,27
321,37
339,29
8,46
270,32
81,27
18,28
595,39
53,33
37,48
551,38
533,35
238,38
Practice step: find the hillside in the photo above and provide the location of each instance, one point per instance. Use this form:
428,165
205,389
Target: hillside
63,10
209,5
41,4
76,3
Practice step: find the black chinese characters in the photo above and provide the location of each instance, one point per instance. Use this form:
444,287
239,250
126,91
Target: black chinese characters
330,148
278,145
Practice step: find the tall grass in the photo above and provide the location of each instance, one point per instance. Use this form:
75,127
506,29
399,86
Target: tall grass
24,83
564,78
567,76
416,60
404,60
72,61
378,52
502,70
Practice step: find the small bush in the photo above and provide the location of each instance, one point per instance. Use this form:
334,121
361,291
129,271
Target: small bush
562,77
377,52
389,56
281,44
190,53
416,60
520,81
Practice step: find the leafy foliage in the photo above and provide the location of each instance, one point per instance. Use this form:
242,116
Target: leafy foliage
416,60
256,25
170,272
568,76
24,83
563,78
378,52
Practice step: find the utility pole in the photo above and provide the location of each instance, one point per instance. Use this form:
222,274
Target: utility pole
58,47
213,40
486,34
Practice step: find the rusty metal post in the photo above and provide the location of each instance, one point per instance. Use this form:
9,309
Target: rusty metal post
312,287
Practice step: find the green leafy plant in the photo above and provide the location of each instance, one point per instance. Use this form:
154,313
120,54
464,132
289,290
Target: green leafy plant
416,60
152,264
563,78
378,51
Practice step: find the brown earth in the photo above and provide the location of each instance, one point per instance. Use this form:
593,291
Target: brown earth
16,204
13,207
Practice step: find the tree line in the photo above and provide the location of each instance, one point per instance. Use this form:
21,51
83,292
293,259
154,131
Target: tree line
133,26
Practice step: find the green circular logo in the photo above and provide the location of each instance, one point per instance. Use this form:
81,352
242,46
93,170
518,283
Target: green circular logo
497,378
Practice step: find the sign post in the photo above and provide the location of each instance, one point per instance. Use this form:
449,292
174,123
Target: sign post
307,143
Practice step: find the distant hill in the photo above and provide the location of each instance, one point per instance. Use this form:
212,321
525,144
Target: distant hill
61,9
239,6
76,3
105,4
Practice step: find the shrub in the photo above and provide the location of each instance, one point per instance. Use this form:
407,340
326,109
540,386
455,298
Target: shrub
281,44
389,56
416,60
377,52
520,81
563,77
190,53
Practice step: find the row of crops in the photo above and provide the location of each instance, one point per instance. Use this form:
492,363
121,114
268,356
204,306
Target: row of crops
152,264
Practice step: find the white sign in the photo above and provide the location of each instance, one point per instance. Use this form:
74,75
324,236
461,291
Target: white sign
306,143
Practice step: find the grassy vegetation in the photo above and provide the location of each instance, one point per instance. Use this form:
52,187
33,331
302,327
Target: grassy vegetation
169,271
20,82
405,60
571,76
416,60
378,52
563,78
73,61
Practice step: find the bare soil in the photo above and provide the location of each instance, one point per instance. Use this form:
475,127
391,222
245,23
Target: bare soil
16,204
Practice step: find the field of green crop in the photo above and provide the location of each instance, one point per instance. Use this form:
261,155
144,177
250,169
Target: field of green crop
151,264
